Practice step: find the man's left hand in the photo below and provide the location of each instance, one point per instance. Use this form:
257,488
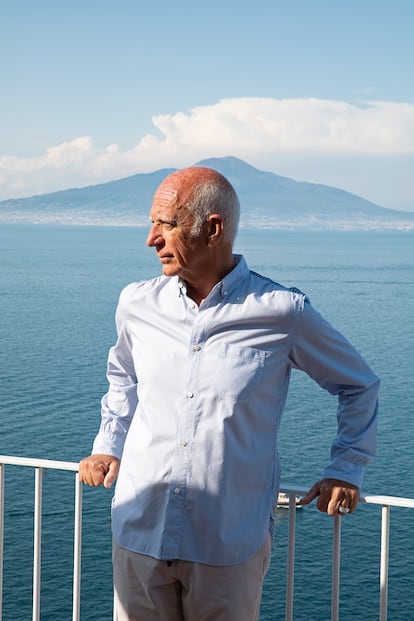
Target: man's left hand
334,496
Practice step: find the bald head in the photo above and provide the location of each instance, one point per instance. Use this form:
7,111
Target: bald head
201,191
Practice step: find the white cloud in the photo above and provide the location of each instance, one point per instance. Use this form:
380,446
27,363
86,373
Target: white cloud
250,128
293,125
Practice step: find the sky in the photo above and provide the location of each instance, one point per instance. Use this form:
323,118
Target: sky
315,90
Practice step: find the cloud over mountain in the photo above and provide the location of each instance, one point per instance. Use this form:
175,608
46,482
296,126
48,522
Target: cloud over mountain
250,128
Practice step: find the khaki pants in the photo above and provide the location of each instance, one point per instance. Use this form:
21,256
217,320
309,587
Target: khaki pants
150,590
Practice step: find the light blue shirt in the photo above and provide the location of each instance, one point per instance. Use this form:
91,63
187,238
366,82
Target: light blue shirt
194,405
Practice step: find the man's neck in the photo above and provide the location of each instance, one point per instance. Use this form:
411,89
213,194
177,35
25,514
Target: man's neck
198,291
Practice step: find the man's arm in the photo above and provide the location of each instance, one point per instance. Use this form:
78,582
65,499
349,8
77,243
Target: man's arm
117,410
326,356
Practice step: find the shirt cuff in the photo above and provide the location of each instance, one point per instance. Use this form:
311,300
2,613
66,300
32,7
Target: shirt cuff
345,471
108,444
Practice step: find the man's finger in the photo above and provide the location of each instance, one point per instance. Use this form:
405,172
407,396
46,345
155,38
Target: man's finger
311,494
111,474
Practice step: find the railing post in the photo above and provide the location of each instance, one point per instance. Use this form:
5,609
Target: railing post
290,576
1,536
336,568
37,541
385,535
77,550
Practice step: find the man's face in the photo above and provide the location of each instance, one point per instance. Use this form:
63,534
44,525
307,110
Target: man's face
180,253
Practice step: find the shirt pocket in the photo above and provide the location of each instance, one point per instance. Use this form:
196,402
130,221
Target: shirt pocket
232,371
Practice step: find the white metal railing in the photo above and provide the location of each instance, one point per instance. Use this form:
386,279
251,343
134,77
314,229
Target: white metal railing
386,502
39,465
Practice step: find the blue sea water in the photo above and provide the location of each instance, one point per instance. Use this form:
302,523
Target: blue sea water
58,290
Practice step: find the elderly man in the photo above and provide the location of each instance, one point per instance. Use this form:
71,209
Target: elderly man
198,380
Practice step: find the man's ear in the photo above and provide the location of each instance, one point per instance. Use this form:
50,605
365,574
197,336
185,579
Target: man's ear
215,229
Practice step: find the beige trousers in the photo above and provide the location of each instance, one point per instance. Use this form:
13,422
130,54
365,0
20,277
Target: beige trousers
150,590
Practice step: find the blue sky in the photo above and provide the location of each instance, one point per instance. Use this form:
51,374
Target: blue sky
321,91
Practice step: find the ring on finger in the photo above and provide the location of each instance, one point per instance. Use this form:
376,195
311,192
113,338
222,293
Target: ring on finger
343,510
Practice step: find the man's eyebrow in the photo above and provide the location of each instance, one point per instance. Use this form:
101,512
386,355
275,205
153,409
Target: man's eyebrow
159,220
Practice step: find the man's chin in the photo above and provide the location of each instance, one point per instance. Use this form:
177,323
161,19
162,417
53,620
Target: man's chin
170,270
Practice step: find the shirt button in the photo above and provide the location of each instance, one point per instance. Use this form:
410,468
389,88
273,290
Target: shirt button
177,490
183,443
196,347
190,394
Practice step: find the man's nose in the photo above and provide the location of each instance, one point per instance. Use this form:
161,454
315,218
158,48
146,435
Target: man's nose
154,237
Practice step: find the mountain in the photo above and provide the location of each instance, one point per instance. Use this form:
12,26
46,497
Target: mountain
267,200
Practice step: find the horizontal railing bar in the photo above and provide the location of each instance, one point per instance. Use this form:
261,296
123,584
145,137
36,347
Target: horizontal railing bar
39,463
392,501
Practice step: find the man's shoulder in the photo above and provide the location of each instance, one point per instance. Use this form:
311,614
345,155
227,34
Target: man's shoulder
277,298
269,285
142,288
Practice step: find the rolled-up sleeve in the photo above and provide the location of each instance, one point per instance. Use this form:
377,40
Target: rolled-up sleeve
325,355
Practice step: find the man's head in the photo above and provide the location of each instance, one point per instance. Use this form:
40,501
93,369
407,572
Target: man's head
194,215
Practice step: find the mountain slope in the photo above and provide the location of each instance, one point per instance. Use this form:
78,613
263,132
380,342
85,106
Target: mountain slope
266,199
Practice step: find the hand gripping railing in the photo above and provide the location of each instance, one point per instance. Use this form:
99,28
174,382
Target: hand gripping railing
39,465
386,502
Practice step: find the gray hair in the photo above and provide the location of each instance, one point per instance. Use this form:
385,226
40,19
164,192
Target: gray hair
215,195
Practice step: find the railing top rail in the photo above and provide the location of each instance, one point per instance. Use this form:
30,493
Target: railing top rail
392,501
39,463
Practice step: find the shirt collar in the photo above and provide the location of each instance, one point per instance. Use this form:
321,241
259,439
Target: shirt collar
230,280
233,278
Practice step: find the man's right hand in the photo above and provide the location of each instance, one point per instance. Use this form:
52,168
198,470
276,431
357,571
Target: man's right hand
99,470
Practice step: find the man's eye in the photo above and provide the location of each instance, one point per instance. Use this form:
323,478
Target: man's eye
165,225
169,225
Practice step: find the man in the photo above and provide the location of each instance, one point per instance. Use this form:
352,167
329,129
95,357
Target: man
198,381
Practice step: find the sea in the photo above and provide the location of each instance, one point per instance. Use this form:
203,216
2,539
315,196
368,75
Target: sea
59,287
